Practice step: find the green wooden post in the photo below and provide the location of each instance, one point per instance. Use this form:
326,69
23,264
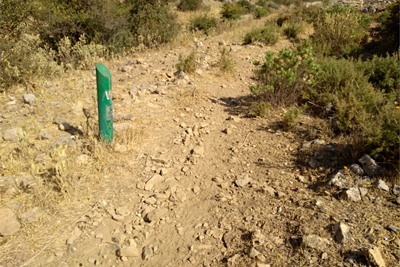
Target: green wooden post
104,97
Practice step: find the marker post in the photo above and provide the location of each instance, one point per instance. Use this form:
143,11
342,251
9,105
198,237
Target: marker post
104,102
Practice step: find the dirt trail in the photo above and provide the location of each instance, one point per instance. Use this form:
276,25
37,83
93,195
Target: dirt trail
211,186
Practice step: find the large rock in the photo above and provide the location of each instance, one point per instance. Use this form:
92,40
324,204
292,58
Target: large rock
374,257
155,215
131,251
69,140
29,99
8,223
342,232
316,242
152,182
13,134
369,165
353,194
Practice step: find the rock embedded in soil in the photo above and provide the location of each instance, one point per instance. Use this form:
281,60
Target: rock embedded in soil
30,215
147,252
29,99
64,126
316,242
374,257
131,251
152,182
69,140
356,169
353,194
369,165
75,234
396,189
382,185
155,215
8,223
13,134
243,180
342,232
59,118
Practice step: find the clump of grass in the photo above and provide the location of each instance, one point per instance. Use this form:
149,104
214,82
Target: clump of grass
187,63
231,11
226,62
291,116
190,5
268,35
203,23
260,12
259,109
292,29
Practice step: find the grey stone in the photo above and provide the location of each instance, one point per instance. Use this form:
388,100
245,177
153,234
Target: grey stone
8,223
369,165
13,134
374,257
29,99
243,180
44,136
396,189
342,232
131,251
155,215
338,179
124,211
363,191
356,169
382,185
147,252
68,140
124,126
64,126
59,118
353,194
152,182
122,117
75,234
316,242
313,142
31,215
393,228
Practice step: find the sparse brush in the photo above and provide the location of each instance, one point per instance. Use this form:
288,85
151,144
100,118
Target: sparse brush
268,35
226,62
259,109
187,64
260,12
203,23
190,5
292,29
291,116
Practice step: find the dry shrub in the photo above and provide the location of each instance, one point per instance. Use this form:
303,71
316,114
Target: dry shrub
187,63
226,62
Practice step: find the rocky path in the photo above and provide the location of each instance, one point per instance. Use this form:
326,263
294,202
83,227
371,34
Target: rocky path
211,186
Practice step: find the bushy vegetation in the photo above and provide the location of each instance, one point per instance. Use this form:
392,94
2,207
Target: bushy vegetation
226,62
268,35
247,6
61,33
203,23
292,29
190,5
339,30
231,11
187,63
260,12
360,98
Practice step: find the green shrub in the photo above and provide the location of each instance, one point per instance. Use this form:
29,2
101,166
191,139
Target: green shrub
262,3
203,23
190,5
247,6
187,64
231,11
259,109
268,35
292,29
390,25
283,77
291,116
226,62
338,31
260,12
383,72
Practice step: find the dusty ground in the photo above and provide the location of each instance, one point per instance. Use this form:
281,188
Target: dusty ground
231,190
